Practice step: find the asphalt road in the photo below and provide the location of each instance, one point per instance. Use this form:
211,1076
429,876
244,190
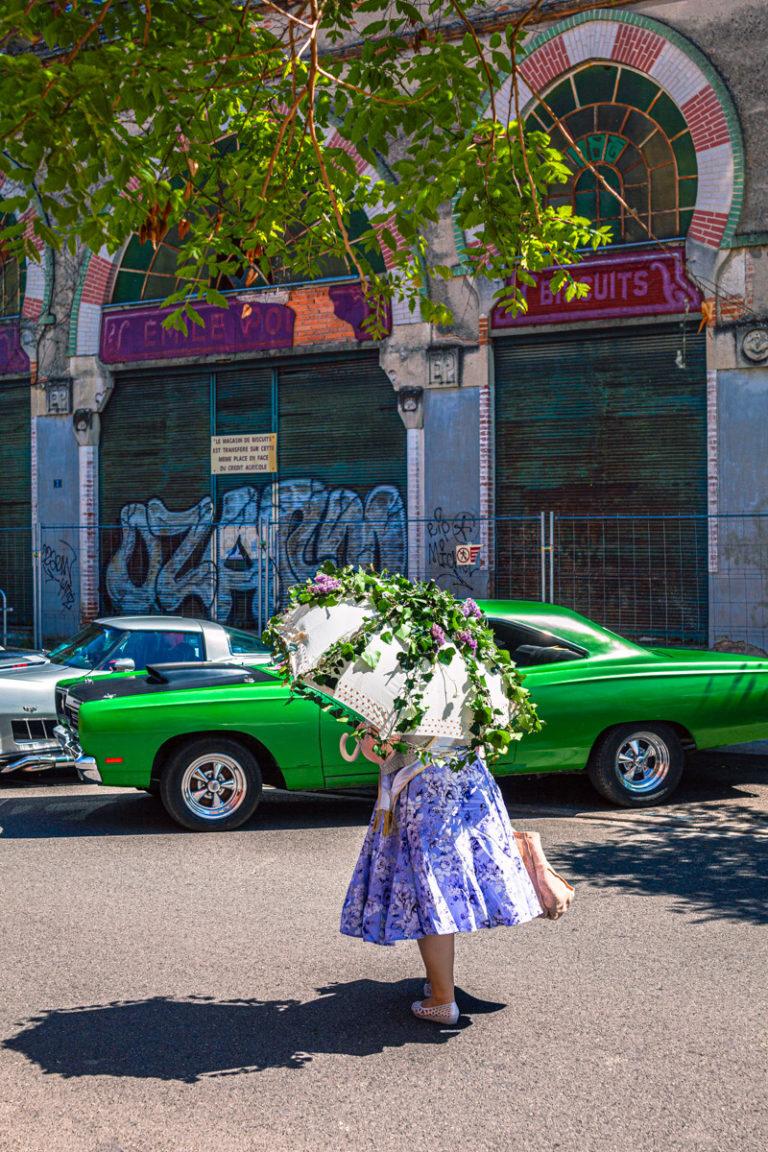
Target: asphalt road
166,990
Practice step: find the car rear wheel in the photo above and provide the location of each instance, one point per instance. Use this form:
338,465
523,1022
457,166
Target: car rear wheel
211,785
637,765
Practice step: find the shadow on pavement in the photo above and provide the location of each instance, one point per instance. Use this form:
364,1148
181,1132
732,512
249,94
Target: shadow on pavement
187,1039
708,776
42,813
707,848
713,869
39,817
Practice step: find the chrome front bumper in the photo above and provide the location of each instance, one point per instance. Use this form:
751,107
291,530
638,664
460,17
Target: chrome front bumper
86,767
34,763
67,741
36,760
87,770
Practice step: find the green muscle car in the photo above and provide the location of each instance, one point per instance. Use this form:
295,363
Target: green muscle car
207,738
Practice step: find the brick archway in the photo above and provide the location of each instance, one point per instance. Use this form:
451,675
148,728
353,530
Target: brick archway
686,76
36,272
99,271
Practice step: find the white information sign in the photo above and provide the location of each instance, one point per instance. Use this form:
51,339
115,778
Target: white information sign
234,455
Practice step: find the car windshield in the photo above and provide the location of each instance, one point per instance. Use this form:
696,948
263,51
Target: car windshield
245,643
90,647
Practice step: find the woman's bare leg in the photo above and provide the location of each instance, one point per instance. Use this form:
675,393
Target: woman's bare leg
437,952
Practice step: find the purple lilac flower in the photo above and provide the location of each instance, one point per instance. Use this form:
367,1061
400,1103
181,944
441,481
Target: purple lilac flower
437,635
468,639
469,608
323,584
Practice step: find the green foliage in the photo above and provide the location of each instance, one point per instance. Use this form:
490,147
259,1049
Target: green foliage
431,625
219,118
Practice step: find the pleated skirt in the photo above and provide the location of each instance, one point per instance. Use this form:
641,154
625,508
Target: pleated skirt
451,864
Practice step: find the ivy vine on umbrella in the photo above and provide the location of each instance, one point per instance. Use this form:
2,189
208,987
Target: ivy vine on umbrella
431,630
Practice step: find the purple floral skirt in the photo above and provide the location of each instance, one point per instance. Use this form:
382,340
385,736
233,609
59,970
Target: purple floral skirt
451,864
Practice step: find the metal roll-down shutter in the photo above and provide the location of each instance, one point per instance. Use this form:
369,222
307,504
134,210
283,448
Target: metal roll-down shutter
607,430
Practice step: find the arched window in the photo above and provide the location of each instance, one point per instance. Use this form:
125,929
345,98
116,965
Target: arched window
12,275
147,273
635,137
592,198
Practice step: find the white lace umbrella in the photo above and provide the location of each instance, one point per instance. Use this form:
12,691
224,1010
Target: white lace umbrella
369,693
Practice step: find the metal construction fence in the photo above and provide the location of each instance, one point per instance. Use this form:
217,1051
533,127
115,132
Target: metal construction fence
698,580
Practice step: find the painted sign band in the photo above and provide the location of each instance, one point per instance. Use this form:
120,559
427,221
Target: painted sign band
643,284
241,455
13,358
132,334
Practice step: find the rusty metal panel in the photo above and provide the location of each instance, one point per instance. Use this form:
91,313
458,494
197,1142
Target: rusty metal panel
607,430
15,507
155,441
602,422
176,538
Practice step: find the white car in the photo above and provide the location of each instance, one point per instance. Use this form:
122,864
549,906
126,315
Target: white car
110,644
20,658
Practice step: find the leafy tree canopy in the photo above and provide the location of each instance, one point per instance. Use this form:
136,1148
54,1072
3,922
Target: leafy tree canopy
239,123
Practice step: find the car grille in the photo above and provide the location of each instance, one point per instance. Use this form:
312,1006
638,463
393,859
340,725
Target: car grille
71,710
60,696
32,731
67,708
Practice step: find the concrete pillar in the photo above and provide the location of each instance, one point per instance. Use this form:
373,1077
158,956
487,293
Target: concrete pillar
92,388
57,489
416,526
439,378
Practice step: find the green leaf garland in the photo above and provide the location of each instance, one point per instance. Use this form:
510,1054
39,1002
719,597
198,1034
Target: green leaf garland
432,625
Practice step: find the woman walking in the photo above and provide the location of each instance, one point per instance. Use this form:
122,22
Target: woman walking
438,699
439,858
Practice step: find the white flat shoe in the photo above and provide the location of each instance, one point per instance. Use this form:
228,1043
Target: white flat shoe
438,1014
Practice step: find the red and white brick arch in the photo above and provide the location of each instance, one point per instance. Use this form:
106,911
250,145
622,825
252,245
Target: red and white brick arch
34,281
102,268
35,270
686,76
96,291
400,311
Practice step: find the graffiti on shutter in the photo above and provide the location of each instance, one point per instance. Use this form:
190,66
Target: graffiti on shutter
213,561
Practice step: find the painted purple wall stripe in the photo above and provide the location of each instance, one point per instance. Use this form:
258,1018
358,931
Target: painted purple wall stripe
13,358
133,334
643,284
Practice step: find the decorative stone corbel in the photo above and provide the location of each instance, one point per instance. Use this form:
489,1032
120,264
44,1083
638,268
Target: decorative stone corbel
92,388
410,405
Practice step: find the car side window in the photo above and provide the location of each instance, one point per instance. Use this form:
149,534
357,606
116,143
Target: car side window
159,647
530,647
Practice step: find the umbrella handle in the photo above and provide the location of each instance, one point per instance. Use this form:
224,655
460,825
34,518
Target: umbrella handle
345,754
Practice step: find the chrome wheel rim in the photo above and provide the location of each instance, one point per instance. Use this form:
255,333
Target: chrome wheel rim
214,787
642,762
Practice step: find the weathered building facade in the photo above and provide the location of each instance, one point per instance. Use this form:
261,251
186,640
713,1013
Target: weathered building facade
606,453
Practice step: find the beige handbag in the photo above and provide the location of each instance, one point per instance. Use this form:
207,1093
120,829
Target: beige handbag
555,894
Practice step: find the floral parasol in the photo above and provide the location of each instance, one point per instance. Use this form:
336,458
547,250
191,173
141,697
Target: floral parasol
404,657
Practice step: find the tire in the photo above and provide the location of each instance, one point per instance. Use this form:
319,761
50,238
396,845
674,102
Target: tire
215,760
658,758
